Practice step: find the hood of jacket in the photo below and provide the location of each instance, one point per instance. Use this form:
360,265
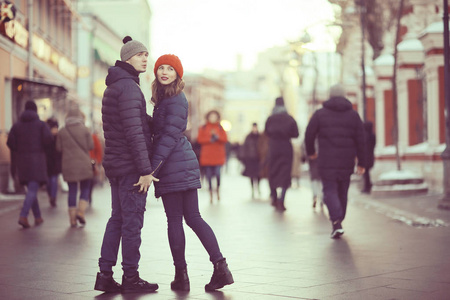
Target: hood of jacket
29,116
338,104
121,70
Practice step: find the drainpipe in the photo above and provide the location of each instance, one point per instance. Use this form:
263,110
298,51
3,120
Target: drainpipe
30,39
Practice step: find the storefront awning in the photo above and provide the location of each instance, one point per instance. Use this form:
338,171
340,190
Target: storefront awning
38,88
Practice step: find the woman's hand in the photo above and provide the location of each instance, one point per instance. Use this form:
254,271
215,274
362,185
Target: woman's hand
145,182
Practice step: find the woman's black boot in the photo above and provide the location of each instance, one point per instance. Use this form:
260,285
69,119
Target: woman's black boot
181,280
221,276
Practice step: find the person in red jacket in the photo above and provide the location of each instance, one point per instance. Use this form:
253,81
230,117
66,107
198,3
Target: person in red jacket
212,138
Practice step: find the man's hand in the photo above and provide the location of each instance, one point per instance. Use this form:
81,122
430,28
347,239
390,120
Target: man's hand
360,170
145,182
313,157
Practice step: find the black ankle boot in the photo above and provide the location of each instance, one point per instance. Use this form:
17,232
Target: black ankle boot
106,283
181,280
221,276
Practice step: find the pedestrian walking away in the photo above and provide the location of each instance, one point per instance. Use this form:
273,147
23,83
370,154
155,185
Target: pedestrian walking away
177,168
54,162
127,165
314,176
340,135
28,141
250,158
280,128
212,138
370,155
74,142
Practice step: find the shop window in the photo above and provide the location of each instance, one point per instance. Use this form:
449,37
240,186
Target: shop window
388,118
415,112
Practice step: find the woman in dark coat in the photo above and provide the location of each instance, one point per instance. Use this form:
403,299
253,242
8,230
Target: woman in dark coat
250,159
29,139
370,156
176,166
280,128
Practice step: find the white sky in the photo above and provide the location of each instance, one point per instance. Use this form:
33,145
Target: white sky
209,34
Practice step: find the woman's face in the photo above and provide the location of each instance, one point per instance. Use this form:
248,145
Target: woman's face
213,118
166,74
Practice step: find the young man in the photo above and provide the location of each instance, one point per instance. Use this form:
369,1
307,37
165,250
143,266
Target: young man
127,166
341,139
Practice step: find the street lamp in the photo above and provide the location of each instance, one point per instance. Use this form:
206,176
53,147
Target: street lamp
445,202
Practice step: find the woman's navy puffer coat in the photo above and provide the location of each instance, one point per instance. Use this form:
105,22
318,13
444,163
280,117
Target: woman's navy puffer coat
128,138
174,161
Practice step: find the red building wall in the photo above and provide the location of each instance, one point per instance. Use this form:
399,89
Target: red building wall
415,112
388,118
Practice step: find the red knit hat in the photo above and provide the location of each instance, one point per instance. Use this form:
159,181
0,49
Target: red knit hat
172,60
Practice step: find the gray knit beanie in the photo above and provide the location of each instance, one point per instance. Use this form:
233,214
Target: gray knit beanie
337,90
131,48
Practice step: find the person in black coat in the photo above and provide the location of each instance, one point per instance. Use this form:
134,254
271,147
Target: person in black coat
340,133
128,168
250,158
370,155
177,168
29,139
53,163
280,128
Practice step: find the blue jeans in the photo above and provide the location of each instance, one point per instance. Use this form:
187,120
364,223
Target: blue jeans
210,172
335,193
185,204
52,186
125,223
31,201
85,186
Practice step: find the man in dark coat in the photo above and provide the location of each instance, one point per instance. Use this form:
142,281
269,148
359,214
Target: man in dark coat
280,128
28,139
128,168
341,139
370,155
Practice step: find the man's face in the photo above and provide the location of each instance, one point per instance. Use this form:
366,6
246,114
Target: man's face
139,61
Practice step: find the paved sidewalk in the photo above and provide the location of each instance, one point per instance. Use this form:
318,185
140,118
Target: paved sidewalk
272,255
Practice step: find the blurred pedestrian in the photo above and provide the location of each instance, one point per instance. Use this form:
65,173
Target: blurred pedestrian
280,128
296,165
314,176
212,138
370,155
340,133
128,143
29,139
177,168
74,142
250,158
96,155
54,158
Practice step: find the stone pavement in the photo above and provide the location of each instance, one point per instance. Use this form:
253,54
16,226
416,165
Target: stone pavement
272,255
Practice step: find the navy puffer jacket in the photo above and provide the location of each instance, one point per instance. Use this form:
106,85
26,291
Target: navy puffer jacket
174,161
128,138
340,134
29,139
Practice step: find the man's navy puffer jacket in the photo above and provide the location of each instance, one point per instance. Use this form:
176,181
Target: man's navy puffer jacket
128,139
174,161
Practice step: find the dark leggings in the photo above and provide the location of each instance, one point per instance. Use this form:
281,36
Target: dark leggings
185,204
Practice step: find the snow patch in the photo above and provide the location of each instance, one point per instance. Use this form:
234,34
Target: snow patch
410,45
400,175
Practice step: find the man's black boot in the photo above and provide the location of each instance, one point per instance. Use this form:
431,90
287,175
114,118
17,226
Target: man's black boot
106,283
181,280
135,284
221,276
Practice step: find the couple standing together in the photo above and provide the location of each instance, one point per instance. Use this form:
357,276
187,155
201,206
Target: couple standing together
140,150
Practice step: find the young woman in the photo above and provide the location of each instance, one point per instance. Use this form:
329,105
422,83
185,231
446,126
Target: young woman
212,138
176,166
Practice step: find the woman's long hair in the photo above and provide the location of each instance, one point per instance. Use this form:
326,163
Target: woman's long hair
161,92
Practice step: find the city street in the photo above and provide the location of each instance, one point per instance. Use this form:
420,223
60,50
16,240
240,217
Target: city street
272,255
